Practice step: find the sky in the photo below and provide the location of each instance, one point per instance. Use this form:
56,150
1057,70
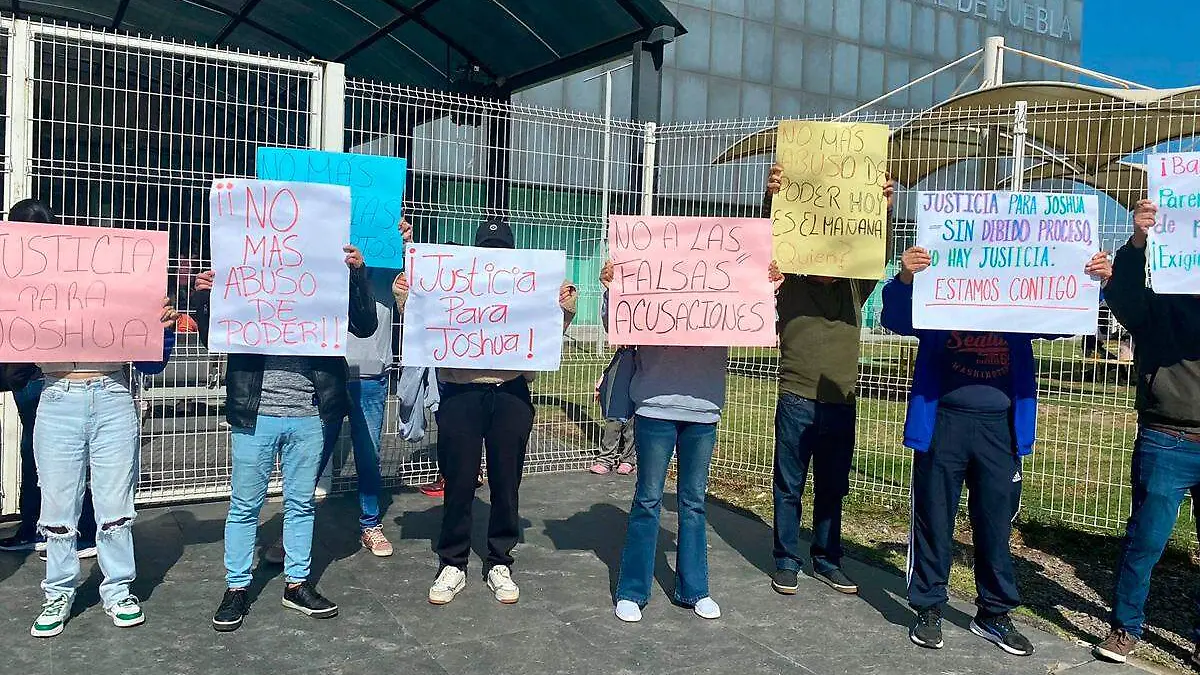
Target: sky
1152,42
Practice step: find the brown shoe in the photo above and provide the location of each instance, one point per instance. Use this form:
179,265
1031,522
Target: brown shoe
1116,646
374,541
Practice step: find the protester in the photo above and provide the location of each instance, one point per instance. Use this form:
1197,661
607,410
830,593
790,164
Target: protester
1166,454
820,325
478,409
617,443
26,382
369,360
972,416
678,394
88,423
278,406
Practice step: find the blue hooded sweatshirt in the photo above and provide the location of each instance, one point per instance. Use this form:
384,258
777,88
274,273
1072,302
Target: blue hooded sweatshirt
926,388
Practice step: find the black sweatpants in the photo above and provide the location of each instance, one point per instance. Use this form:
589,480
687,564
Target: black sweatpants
469,417
978,448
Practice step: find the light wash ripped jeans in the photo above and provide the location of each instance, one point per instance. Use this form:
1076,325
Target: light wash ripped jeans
87,425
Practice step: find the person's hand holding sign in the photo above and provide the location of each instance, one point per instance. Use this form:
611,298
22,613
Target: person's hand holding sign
1145,215
889,190
568,295
1100,267
775,179
354,257
406,230
204,280
606,274
913,261
169,315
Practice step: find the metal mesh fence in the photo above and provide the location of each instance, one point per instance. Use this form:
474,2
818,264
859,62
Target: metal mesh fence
129,132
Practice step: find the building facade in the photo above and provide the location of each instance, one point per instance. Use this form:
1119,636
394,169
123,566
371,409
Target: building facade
785,58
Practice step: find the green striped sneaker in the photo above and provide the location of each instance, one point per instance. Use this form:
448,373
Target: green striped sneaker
53,617
127,613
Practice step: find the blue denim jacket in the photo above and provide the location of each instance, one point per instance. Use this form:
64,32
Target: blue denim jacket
926,388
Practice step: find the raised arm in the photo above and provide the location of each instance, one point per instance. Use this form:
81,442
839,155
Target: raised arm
1126,292
168,317
897,294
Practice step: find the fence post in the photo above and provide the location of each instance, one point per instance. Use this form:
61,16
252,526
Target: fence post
327,125
649,161
18,148
1020,132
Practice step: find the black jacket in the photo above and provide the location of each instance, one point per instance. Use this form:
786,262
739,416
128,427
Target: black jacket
243,381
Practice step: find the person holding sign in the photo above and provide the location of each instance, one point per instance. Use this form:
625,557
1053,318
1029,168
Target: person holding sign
972,416
26,383
678,394
1166,454
479,408
88,425
278,406
819,325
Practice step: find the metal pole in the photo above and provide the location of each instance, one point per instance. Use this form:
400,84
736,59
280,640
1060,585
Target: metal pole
993,62
648,160
1020,132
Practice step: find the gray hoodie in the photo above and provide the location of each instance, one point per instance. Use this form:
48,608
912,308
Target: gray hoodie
681,384
371,357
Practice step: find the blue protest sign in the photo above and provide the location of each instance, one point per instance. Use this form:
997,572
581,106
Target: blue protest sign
376,193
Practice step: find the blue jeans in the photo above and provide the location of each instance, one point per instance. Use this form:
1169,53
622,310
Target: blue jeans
657,441
297,442
87,425
368,399
30,502
822,433
1165,468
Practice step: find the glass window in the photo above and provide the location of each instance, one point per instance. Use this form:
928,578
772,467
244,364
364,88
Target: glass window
790,12
874,22
947,36
820,16
789,58
845,69
693,48
969,35
586,96
734,7
761,10
870,74
724,98
818,61
847,19
897,69
944,85
923,27
691,96
668,97
921,95
726,45
785,102
758,50
900,25
756,100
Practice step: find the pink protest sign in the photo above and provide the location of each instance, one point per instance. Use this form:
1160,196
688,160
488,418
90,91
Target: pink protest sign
699,282
80,293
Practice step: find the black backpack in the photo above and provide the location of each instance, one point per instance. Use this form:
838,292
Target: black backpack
14,376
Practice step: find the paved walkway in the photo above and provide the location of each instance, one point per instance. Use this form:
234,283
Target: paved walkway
566,566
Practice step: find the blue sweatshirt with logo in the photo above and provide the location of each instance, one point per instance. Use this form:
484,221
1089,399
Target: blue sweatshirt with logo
926,387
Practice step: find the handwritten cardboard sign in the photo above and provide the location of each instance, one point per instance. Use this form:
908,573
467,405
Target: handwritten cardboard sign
830,218
1174,248
281,285
1007,261
696,282
81,293
483,308
376,193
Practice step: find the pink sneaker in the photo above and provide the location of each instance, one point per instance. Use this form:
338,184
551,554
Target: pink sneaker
599,469
624,468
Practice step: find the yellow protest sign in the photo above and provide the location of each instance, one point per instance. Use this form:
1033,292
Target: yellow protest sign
830,217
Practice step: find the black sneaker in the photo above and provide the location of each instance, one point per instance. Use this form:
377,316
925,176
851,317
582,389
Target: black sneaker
785,581
305,599
233,607
927,631
22,541
837,580
1000,630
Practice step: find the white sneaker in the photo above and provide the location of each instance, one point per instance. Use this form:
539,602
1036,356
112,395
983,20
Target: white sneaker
53,618
449,582
707,608
499,579
127,613
628,611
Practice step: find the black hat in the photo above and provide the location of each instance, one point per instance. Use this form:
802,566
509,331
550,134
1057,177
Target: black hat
494,233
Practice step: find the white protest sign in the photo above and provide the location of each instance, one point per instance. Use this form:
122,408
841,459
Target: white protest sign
483,308
1007,262
1174,248
281,285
